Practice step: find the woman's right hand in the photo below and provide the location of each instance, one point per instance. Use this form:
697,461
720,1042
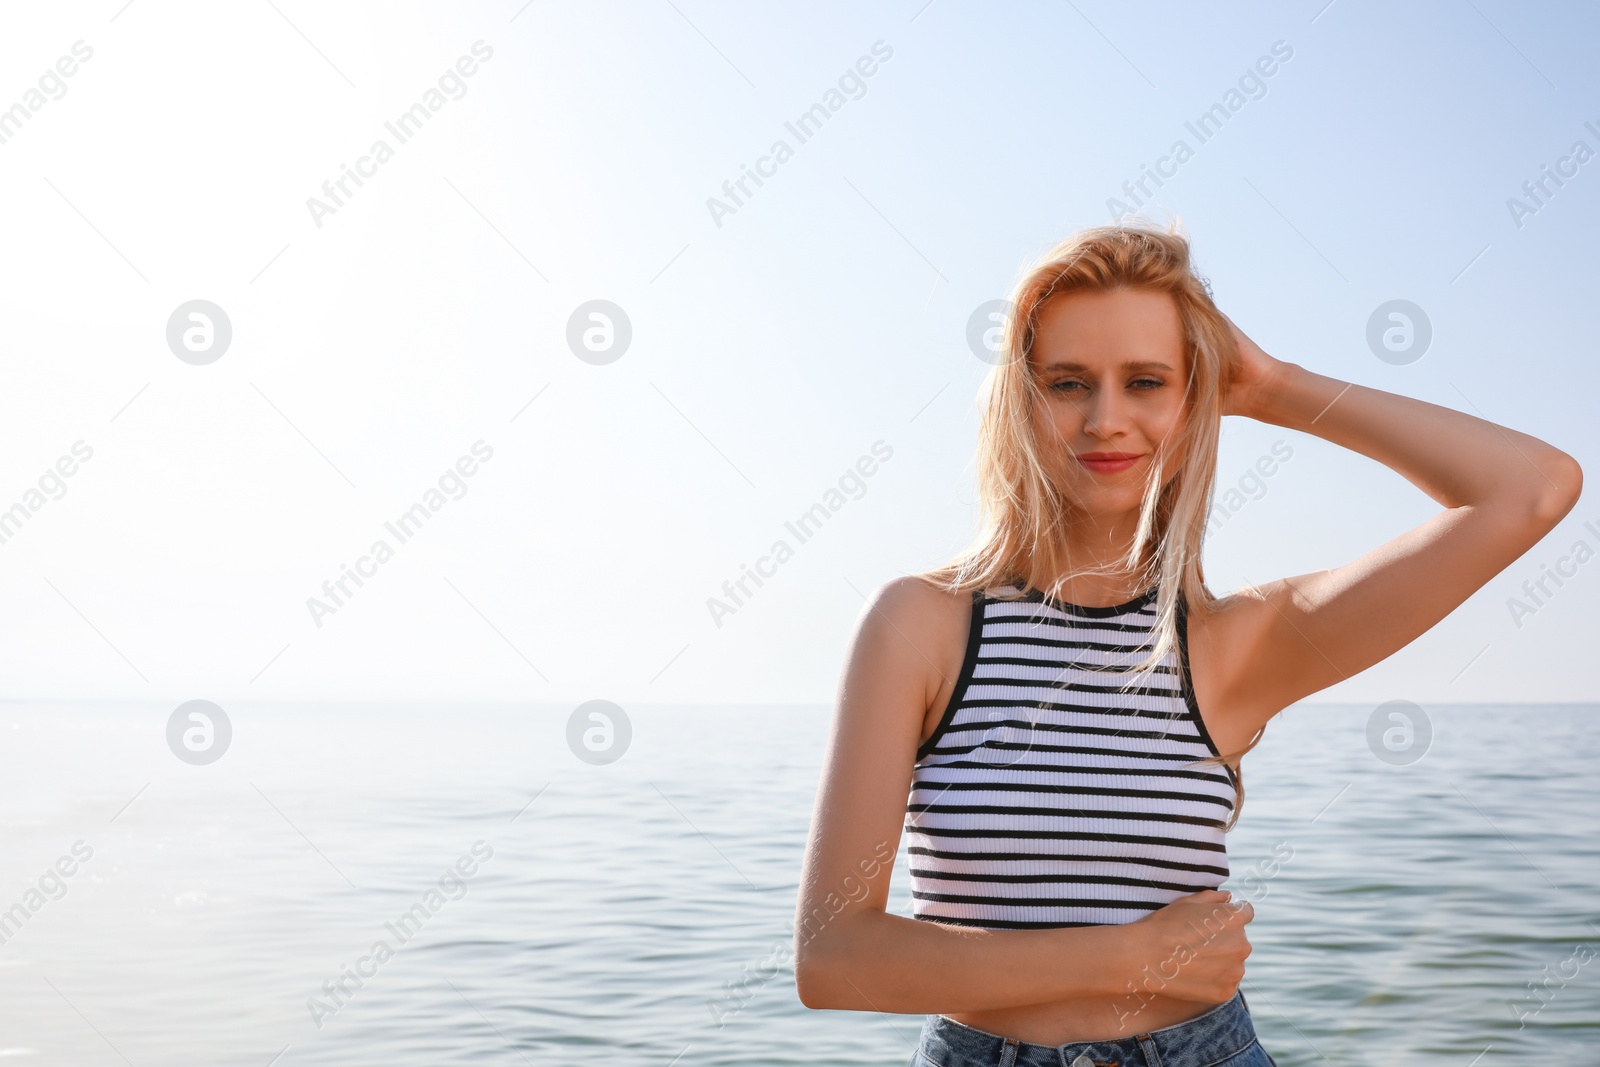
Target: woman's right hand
1193,948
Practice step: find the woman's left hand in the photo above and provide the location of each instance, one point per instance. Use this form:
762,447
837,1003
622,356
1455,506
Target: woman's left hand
1251,376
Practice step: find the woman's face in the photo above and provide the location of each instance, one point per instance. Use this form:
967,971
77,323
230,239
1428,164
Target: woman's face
1112,370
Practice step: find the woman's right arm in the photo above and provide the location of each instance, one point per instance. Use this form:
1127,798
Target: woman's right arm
851,954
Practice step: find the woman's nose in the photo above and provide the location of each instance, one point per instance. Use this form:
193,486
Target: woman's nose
1104,414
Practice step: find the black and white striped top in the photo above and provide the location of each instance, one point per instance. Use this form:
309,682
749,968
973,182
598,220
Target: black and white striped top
1046,798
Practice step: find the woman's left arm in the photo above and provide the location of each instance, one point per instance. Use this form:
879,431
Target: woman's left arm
1502,492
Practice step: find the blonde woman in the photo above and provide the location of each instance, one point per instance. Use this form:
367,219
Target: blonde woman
1056,718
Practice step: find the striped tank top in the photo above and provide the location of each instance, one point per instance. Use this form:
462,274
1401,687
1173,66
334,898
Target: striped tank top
1045,797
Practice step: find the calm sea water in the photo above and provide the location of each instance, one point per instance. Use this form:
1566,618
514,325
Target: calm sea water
638,913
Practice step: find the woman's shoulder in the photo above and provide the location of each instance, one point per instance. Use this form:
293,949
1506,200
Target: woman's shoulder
920,597
923,611
922,625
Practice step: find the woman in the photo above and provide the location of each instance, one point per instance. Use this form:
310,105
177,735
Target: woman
1066,704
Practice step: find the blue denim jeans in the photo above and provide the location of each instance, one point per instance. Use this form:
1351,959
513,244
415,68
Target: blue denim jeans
1221,1037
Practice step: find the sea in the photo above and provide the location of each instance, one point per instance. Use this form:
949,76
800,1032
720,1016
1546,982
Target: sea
438,883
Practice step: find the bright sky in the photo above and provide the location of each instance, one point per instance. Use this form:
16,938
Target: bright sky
382,337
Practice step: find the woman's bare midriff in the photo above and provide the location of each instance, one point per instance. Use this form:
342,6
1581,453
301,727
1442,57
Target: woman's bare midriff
1086,1019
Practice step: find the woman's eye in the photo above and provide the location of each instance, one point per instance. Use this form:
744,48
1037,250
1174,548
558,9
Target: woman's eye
1146,384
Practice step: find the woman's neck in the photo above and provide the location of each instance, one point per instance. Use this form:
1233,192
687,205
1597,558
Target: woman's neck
1116,584
1098,592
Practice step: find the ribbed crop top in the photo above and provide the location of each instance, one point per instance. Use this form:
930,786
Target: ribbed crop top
1045,797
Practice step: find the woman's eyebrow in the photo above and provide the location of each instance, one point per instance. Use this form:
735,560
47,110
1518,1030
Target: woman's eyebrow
1138,364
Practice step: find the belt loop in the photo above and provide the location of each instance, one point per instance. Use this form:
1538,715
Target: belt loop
1008,1052
1147,1045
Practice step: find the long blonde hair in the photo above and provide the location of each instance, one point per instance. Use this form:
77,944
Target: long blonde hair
1024,494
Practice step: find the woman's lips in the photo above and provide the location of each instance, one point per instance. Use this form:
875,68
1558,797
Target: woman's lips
1107,465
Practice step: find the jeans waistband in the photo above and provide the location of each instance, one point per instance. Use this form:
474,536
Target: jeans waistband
1211,1036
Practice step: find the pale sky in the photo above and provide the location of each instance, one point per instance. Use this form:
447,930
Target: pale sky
821,323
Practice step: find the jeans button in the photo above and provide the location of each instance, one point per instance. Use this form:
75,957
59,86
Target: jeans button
1083,1060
